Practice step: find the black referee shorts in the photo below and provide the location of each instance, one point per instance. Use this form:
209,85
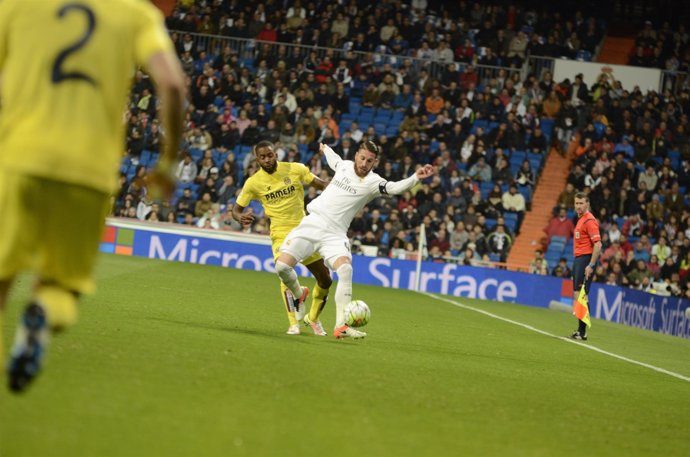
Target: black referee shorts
579,265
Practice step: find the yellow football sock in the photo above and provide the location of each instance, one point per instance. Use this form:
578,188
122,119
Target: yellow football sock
290,314
60,305
318,301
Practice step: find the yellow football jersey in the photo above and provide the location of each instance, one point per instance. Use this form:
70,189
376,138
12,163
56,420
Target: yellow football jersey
66,73
281,193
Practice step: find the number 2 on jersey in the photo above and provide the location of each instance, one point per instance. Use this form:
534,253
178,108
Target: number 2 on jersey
60,75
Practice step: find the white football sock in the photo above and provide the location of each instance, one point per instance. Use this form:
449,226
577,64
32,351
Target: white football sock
343,292
289,277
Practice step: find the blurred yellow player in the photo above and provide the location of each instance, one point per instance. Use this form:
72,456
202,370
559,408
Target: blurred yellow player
66,72
278,186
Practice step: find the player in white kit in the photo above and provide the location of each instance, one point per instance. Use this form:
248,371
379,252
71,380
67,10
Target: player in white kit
325,228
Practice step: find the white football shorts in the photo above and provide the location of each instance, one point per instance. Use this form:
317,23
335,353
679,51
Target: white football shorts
314,234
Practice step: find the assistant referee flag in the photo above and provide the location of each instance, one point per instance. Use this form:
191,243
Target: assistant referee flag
581,307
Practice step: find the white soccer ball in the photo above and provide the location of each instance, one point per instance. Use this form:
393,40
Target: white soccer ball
357,313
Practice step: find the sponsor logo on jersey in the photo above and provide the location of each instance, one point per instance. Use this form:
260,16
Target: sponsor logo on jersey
280,193
345,184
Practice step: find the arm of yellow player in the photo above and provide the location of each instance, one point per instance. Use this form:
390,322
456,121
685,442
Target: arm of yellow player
240,216
319,183
166,71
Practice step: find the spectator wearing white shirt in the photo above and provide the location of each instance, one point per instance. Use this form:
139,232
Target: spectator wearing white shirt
186,169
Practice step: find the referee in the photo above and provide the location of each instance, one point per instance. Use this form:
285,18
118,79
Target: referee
586,247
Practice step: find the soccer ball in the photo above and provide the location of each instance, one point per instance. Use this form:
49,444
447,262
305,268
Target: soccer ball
357,313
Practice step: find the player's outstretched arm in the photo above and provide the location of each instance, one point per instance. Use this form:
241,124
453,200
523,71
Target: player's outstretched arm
398,187
425,172
332,158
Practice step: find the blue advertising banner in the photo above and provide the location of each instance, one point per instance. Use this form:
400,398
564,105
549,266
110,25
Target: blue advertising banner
640,309
626,306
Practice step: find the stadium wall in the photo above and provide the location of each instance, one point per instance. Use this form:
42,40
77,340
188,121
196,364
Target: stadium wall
253,252
629,76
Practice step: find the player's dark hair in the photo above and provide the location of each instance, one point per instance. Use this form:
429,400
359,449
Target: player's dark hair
263,144
371,147
582,195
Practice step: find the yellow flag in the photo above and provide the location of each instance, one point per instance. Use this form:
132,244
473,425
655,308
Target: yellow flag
581,307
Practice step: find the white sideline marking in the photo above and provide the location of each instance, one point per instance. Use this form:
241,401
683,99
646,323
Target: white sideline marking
567,340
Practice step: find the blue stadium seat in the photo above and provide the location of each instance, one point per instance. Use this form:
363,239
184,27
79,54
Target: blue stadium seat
516,161
509,216
558,240
344,125
518,155
483,123
511,224
552,257
535,156
484,192
584,55
547,127
196,154
526,192
219,157
368,110
257,207
145,158
364,120
383,114
536,165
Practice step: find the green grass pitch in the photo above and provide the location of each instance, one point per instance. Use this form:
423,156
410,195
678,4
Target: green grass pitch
173,359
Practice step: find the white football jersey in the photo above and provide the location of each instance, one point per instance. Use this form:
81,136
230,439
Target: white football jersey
346,194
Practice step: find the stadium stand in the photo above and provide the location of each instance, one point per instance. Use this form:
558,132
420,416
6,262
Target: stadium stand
489,77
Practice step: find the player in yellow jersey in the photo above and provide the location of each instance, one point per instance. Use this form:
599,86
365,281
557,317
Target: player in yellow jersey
279,188
66,69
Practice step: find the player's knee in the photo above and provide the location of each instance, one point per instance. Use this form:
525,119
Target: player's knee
283,269
344,272
60,305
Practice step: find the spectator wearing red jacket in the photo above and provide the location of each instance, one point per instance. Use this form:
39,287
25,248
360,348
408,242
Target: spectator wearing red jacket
268,33
560,225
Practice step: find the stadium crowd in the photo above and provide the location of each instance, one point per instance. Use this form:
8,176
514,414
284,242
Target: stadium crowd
487,134
665,47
